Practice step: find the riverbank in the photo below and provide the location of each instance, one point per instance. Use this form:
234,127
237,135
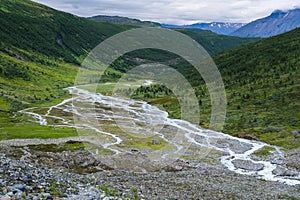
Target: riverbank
29,178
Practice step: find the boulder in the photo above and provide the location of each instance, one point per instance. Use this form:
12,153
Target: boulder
155,142
247,165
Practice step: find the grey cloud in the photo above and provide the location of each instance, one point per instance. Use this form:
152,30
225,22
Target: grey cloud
175,11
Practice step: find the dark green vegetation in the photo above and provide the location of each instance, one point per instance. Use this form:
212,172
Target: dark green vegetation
41,49
33,27
161,96
67,146
214,43
124,21
262,82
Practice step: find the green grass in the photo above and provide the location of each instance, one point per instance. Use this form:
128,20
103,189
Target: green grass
39,84
69,146
4,106
282,139
110,87
108,190
264,152
33,130
21,127
145,143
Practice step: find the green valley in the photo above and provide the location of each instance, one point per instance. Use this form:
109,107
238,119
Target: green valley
134,134
41,50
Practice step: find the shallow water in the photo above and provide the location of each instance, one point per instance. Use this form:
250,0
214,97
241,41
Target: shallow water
92,111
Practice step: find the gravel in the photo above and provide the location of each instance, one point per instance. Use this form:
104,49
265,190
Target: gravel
293,159
33,178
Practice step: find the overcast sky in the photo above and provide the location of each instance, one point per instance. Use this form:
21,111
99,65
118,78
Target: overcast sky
176,11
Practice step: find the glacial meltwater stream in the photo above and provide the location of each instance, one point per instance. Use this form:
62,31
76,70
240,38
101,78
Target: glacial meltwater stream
143,120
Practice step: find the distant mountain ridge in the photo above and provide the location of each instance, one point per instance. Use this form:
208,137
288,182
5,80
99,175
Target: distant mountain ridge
216,27
277,23
124,21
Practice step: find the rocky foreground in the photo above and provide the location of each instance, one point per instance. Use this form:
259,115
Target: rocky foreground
30,173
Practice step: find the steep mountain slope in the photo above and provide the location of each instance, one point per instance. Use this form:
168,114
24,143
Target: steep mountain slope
124,21
36,43
262,82
216,27
32,26
278,22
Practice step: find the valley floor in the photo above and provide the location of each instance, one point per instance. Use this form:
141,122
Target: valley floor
78,167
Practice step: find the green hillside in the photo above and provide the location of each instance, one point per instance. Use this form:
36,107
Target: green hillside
124,21
31,26
214,43
262,82
263,88
40,49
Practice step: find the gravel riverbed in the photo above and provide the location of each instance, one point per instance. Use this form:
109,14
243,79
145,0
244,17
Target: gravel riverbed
26,174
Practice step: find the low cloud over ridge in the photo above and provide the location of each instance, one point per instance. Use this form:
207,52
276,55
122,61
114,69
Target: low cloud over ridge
175,11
